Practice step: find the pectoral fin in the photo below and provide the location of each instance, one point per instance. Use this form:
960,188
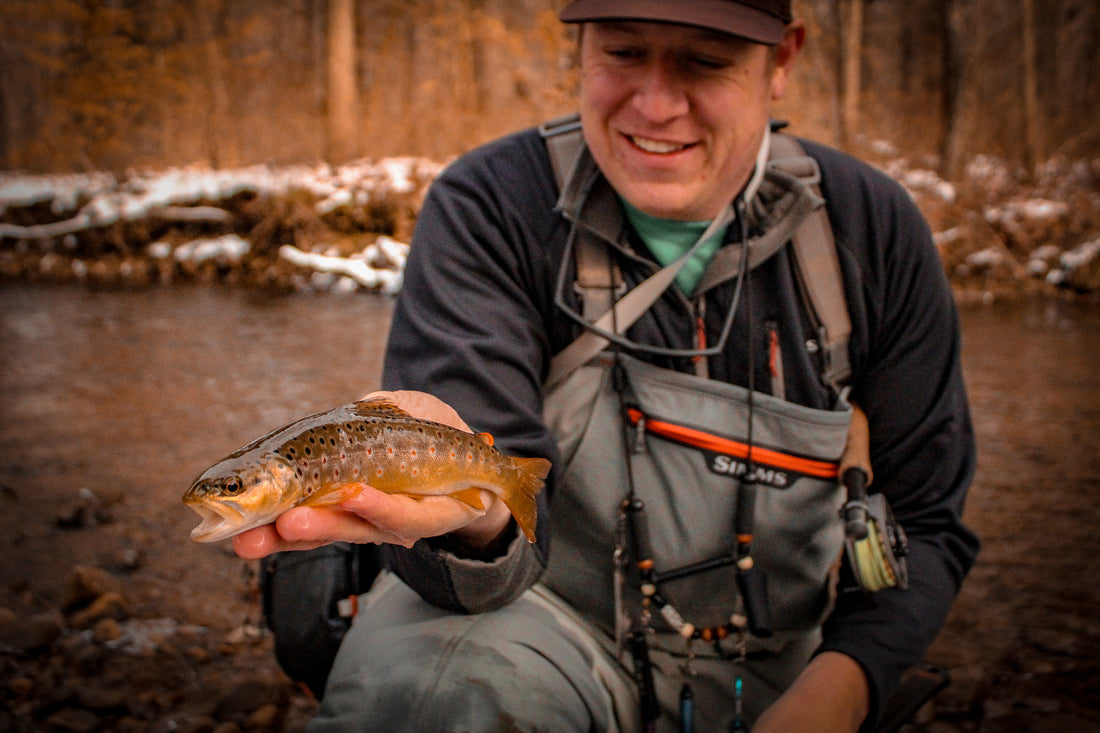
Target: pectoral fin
332,495
471,497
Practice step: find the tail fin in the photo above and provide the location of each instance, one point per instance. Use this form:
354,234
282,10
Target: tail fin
531,475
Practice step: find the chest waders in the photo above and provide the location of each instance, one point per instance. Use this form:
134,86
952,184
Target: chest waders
720,504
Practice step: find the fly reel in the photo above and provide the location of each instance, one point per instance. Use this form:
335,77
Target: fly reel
874,542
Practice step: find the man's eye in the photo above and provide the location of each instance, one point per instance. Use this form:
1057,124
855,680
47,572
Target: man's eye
709,63
625,54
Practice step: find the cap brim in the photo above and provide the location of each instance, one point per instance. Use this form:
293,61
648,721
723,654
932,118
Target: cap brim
720,15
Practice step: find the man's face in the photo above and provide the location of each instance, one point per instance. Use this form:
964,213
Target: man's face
675,115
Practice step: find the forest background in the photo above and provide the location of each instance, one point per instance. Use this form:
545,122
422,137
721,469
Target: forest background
114,84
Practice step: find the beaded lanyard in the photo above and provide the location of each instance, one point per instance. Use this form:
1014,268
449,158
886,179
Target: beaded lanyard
632,539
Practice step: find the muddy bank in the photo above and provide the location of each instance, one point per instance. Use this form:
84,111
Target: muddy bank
1000,231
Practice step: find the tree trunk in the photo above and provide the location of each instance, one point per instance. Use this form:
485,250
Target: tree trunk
222,152
951,68
853,58
343,93
1033,153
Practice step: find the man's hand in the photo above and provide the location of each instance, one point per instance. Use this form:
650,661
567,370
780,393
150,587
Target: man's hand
829,696
372,516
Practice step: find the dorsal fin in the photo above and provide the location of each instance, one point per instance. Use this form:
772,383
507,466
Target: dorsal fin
378,407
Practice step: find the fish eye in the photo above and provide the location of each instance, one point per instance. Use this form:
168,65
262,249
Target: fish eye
232,486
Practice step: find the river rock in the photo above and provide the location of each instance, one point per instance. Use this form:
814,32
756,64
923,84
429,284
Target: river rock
87,583
244,697
110,605
106,630
264,718
28,633
72,721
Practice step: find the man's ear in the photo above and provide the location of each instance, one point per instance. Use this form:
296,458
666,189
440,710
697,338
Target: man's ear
785,54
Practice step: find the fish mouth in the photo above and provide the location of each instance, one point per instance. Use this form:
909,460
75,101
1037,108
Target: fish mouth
219,522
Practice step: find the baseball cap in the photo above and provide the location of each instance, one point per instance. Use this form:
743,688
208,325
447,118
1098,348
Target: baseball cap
762,21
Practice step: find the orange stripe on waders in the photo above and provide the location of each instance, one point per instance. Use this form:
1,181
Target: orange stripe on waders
715,444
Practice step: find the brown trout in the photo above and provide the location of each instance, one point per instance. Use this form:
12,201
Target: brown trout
325,458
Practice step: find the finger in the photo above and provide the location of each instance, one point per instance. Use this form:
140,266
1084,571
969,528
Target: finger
254,544
424,406
306,526
414,517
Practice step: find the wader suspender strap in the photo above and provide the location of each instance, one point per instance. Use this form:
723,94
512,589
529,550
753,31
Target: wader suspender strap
599,282
819,274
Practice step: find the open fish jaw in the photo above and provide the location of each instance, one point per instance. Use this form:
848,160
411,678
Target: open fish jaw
219,521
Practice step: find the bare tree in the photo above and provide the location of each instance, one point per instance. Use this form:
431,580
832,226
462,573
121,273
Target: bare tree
342,89
1033,148
853,66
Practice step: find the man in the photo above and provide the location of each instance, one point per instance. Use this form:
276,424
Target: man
476,629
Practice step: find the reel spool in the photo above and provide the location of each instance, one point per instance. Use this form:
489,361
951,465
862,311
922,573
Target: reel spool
878,558
873,541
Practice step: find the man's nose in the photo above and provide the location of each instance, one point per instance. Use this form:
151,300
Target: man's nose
660,94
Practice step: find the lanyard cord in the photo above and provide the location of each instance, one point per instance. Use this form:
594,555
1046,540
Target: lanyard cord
744,517
613,334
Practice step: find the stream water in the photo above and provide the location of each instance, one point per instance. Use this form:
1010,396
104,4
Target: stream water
128,395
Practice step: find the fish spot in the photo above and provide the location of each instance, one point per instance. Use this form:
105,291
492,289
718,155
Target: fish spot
316,474
324,459
469,456
412,452
389,450
309,452
370,451
378,472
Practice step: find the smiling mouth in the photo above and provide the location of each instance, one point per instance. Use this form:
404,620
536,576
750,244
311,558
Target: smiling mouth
657,147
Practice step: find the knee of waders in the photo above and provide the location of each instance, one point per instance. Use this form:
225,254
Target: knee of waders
429,687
